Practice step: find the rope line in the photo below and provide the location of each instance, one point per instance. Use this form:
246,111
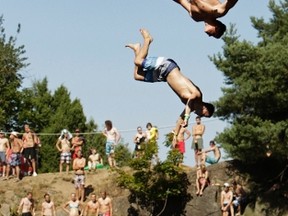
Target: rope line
122,131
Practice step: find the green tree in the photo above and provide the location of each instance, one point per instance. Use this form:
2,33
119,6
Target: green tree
94,139
64,113
36,106
255,98
11,62
156,188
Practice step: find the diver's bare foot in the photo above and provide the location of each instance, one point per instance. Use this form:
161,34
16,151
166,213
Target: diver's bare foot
135,47
146,35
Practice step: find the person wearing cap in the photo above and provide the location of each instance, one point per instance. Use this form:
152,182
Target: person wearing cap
77,143
29,151
226,200
216,154
64,146
15,158
4,146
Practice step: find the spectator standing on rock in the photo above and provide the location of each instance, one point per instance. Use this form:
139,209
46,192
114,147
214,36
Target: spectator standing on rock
79,179
15,157
26,207
77,143
30,140
197,144
105,205
139,139
181,138
64,146
4,146
74,206
92,206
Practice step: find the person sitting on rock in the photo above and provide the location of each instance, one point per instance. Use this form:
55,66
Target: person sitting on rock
202,179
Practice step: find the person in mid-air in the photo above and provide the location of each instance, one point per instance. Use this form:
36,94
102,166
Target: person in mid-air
208,11
161,69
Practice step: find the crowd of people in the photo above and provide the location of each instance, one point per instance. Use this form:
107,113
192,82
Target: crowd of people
101,206
233,199
14,152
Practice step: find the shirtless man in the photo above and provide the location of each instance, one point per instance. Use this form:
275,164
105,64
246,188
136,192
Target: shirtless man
181,138
63,145
239,197
26,207
208,11
216,152
197,142
79,180
226,201
157,69
92,206
74,206
48,207
15,158
105,205
29,151
4,147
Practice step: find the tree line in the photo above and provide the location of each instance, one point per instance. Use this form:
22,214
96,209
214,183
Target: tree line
254,100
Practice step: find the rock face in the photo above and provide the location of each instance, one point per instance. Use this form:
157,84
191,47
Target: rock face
61,186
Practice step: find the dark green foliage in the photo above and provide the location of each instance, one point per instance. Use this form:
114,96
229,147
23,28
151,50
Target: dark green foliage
122,155
153,186
36,106
255,97
11,62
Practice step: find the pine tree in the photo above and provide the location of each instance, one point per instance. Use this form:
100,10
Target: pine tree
255,99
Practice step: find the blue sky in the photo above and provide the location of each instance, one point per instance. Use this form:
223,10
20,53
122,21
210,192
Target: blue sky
80,44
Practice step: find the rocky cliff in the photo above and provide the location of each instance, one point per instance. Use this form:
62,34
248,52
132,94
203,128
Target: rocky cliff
61,186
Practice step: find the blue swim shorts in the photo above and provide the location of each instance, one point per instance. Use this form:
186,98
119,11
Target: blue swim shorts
157,68
211,160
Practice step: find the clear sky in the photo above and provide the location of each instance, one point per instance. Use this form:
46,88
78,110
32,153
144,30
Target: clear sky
80,44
